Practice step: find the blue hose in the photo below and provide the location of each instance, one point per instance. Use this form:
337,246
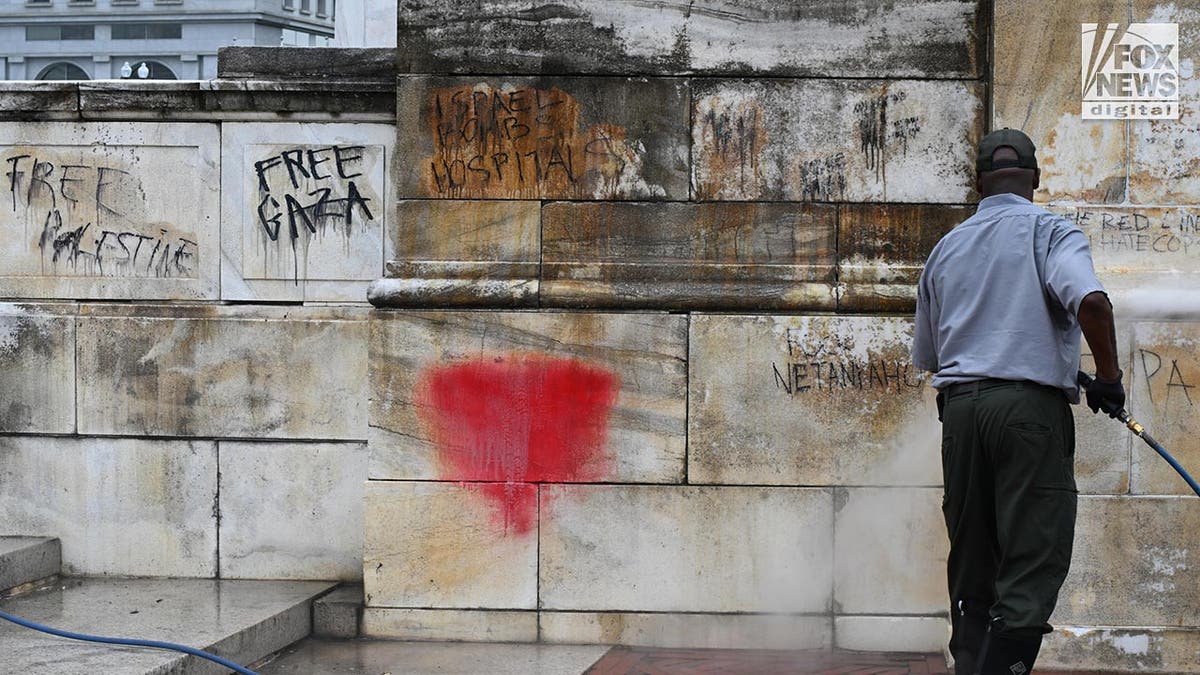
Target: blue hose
127,642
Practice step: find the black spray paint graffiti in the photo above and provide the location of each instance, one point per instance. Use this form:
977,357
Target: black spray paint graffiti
876,132
1153,366
826,366
1176,232
310,190
57,196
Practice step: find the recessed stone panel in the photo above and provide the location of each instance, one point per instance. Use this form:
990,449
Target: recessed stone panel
458,625
1133,649
530,138
304,210
890,545
686,549
674,255
807,400
528,397
216,372
882,249
1164,397
688,631
123,507
448,545
37,369
1036,88
311,525
912,38
892,633
835,140
1136,563
114,211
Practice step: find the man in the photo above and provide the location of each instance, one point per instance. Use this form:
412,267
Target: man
1000,308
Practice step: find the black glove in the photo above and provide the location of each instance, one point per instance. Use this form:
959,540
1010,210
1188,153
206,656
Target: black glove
1106,392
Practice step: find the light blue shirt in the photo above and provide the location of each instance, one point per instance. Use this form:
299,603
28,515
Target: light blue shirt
1000,297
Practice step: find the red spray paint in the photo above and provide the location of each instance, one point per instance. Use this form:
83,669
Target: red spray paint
518,419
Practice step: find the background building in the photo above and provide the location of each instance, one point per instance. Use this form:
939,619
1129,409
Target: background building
176,39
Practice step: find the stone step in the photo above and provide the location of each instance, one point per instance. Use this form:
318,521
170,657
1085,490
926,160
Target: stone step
27,559
243,621
339,614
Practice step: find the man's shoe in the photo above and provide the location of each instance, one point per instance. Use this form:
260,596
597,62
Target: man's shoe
1005,655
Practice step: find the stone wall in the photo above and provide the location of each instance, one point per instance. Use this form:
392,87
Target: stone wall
1130,601
175,400
665,397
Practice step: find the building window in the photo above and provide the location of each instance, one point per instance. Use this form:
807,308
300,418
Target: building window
117,3
147,31
149,70
289,5
81,3
38,32
63,70
306,6
37,3
322,8
168,2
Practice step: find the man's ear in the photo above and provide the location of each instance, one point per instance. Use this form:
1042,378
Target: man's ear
1037,178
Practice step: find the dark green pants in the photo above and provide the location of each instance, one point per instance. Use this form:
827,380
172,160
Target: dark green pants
1008,453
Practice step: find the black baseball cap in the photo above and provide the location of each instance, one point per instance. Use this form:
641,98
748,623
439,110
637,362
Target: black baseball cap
1006,138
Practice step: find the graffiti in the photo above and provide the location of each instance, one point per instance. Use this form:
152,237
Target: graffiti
871,123
824,179
831,363
86,220
518,419
1168,232
736,139
1153,367
491,142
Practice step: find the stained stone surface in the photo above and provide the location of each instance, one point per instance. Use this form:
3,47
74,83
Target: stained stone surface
696,631
459,625
250,372
460,395
892,633
310,528
101,211
890,545
1103,446
882,249
1164,396
304,209
37,369
685,549
912,38
809,400
1163,163
324,657
124,507
676,255
446,545
1135,563
1122,649
835,140
529,138
1036,88
243,621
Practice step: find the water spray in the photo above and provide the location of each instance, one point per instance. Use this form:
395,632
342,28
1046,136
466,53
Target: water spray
1125,418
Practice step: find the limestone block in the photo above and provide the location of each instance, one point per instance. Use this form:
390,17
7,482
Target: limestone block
688,631
1166,367
1036,88
912,38
836,140
882,249
292,511
212,371
124,507
37,369
21,98
304,209
528,397
115,210
807,400
458,625
891,548
1164,155
639,548
542,138
1136,563
447,545
457,253
892,633
1144,650
687,255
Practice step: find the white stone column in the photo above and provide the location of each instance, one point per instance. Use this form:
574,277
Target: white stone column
365,23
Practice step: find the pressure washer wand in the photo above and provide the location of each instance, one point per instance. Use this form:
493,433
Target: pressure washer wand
1121,414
